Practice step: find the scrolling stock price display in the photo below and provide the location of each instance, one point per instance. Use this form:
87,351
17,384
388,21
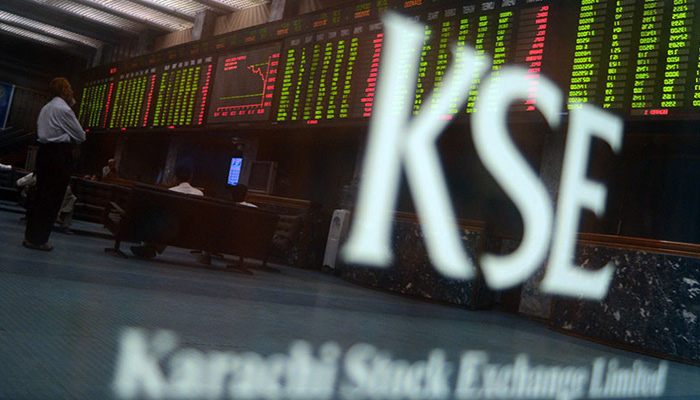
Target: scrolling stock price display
631,57
132,99
182,93
95,102
637,57
513,35
171,95
332,75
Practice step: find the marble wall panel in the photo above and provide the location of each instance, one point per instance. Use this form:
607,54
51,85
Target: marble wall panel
413,274
652,305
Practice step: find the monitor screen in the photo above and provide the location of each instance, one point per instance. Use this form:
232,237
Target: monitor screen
234,171
262,177
244,85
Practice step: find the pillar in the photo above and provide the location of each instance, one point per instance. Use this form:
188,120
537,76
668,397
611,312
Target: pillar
171,160
204,25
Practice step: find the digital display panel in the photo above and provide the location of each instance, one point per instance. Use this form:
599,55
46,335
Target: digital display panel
330,75
638,59
183,89
234,171
132,99
529,51
508,32
95,103
244,85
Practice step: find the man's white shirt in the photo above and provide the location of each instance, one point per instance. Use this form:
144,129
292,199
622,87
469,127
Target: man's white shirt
186,188
57,123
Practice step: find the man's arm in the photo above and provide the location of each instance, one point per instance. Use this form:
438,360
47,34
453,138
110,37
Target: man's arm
72,126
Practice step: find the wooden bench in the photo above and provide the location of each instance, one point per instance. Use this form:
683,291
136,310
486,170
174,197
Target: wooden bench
95,197
157,215
300,236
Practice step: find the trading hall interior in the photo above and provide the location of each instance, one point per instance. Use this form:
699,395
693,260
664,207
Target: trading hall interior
333,199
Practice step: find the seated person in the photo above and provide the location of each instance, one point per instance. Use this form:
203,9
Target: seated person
183,174
65,214
110,171
239,195
27,187
5,166
184,177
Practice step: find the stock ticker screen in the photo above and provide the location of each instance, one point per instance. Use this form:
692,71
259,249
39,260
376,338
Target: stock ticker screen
244,85
183,89
167,96
332,75
132,99
637,59
95,103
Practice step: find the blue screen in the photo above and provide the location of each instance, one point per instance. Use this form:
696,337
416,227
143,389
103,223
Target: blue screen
234,171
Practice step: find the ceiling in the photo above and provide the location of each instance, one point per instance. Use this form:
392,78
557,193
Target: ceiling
83,27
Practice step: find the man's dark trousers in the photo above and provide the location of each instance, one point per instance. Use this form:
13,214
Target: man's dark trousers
54,163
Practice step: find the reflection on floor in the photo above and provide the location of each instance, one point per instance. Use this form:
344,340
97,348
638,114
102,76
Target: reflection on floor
65,318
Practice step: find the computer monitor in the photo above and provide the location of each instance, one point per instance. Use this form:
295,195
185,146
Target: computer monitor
262,177
234,171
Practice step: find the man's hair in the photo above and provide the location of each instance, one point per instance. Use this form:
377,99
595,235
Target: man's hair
58,86
183,173
239,192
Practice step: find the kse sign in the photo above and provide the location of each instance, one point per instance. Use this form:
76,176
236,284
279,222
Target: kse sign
396,142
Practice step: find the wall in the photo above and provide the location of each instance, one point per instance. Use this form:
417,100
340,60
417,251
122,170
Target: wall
32,65
307,6
172,39
242,19
26,105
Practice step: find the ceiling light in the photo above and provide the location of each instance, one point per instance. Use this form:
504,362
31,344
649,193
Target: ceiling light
93,14
33,36
49,29
144,13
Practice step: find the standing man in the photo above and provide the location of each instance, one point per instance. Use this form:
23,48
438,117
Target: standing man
57,131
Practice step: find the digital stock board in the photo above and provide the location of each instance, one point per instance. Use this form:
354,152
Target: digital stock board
637,59
94,106
245,85
330,74
183,89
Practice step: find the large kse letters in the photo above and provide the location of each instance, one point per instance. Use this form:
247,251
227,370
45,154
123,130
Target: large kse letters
396,141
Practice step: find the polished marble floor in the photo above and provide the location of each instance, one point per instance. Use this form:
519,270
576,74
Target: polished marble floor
71,322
